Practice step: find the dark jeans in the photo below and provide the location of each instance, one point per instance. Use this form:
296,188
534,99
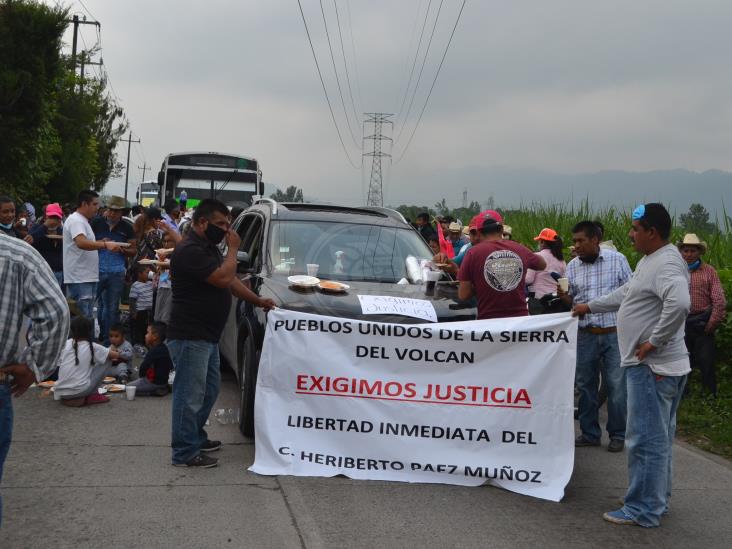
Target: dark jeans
109,292
702,354
596,353
195,390
6,430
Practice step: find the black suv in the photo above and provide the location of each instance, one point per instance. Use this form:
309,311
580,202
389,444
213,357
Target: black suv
367,248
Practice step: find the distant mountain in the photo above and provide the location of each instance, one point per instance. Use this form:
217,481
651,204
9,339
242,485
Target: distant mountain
678,189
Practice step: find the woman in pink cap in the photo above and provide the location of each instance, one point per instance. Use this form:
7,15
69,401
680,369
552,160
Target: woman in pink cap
47,238
541,283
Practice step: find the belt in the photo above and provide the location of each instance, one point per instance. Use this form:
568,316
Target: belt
599,331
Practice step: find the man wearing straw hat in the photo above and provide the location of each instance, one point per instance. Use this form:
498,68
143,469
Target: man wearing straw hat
708,309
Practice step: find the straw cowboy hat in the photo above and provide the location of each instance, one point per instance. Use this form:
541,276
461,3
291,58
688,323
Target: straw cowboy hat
690,239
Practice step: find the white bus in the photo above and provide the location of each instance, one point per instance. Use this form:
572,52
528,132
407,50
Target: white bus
148,194
233,179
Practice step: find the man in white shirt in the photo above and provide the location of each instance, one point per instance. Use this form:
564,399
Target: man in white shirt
81,258
652,308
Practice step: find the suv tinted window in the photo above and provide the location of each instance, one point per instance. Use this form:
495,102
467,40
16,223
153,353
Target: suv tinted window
344,251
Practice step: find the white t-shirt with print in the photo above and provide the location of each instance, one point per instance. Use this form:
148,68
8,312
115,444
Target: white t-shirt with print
79,265
74,378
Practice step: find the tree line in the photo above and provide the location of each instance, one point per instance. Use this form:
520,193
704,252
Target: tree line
58,132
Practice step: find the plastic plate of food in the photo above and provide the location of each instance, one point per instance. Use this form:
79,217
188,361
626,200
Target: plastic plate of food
333,286
115,388
164,251
109,379
47,384
303,281
55,236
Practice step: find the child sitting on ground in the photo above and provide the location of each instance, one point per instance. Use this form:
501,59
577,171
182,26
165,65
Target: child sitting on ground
141,302
156,366
82,366
123,364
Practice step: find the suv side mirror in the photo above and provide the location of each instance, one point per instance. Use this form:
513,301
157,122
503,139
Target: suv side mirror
243,262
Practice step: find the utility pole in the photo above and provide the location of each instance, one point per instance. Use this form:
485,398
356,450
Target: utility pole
129,142
76,22
84,62
376,191
465,198
144,168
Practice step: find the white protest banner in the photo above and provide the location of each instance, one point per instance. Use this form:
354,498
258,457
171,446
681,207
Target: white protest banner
393,305
455,403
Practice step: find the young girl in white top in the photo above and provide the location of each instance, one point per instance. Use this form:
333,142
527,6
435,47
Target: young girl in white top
82,366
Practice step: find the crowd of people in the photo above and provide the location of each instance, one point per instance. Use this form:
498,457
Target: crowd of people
68,271
643,331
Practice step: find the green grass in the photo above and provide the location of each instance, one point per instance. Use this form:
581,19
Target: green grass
705,422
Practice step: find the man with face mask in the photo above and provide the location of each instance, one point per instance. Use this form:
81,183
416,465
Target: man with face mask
112,263
203,282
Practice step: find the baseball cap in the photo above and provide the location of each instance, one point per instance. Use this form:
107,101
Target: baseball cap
54,210
477,221
547,234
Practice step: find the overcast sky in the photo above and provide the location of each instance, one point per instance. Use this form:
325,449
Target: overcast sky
563,86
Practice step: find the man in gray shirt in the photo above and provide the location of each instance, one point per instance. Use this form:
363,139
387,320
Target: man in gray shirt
652,309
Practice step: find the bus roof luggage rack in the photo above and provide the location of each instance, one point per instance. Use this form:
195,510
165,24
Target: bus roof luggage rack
261,199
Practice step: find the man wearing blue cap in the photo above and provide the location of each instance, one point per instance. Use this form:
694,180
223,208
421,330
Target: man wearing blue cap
652,308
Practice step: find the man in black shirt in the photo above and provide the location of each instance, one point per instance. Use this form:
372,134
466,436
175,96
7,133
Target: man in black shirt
424,227
203,282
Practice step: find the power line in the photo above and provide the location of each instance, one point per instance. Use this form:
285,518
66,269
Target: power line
355,63
338,80
325,91
416,54
87,10
421,68
345,64
433,83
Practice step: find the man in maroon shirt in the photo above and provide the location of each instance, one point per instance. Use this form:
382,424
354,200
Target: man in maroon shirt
494,271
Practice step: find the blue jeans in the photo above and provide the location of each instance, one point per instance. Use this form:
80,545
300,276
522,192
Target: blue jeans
84,294
595,353
6,431
195,390
652,404
59,278
109,292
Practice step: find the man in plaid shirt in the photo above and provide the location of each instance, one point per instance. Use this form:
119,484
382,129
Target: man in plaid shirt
708,309
596,272
29,288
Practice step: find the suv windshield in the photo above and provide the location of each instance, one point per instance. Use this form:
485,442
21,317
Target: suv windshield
345,251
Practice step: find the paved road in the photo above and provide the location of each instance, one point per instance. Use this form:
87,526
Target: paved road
100,477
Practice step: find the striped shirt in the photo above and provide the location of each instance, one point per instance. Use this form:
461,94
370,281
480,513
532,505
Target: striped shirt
588,281
142,292
707,293
30,289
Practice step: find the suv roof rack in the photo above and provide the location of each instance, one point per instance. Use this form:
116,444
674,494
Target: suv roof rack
388,212
262,199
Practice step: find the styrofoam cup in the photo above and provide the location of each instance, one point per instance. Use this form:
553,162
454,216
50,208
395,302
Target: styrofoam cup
313,269
130,390
563,284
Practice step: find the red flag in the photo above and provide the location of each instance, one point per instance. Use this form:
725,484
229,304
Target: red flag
445,245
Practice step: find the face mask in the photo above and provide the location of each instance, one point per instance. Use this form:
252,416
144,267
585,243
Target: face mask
7,227
694,266
214,234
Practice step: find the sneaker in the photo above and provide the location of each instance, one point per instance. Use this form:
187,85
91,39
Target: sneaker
211,446
96,398
201,461
582,441
616,445
619,517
